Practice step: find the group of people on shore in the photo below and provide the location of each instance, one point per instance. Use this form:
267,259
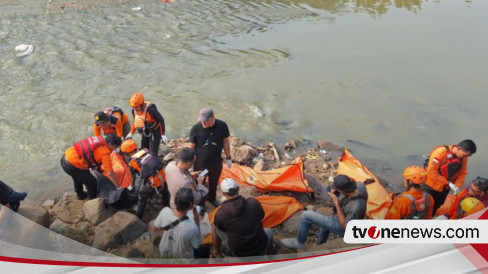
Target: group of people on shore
426,191
189,181
192,179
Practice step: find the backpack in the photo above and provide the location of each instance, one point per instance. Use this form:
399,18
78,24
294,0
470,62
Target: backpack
419,206
150,165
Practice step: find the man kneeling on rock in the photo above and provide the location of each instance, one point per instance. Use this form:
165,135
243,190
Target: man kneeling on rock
351,206
238,225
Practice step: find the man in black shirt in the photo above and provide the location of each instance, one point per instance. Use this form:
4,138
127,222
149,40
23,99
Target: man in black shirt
208,138
238,225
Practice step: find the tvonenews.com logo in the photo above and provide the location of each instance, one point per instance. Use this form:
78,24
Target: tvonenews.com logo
373,232
416,231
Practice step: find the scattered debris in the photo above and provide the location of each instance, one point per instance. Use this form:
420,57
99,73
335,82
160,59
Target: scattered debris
24,50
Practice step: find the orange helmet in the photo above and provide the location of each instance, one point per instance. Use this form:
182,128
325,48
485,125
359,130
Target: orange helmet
415,174
128,146
137,99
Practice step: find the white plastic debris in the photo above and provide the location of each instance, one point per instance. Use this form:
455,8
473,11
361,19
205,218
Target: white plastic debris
136,8
24,50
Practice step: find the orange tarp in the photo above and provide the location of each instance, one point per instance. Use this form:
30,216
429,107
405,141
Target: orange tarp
378,199
277,209
289,178
120,169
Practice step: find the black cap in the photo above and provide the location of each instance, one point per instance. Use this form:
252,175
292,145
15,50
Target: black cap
100,117
344,183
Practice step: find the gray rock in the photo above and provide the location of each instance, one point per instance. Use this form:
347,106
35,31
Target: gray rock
69,209
34,212
164,150
78,232
48,203
96,211
117,230
243,154
328,146
170,156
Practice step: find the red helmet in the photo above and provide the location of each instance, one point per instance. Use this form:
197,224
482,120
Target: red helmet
137,99
415,174
128,146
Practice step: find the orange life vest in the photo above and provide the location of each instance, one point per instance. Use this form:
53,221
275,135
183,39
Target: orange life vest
142,119
85,149
450,168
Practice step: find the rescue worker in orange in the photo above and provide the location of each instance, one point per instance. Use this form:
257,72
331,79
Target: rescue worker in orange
149,122
446,170
478,189
111,120
413,203
119,164
92,152
148,185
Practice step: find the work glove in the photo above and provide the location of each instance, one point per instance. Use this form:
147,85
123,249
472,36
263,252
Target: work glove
454,188
164,139
129,136
229,163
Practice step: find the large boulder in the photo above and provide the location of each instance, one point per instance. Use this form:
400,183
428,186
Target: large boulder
117,230
19,230
35,212
96,211
69,209
243,154
140,248
78,232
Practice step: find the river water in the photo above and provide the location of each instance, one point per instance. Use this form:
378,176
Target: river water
400,76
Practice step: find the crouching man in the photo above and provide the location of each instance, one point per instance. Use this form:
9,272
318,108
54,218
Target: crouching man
238,225
351,206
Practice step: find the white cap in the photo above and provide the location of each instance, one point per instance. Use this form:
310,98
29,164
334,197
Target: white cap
227,184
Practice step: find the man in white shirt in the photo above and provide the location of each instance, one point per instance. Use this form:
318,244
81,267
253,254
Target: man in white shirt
180,235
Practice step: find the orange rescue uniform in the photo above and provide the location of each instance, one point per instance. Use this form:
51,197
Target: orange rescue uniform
402,206
438,158
118,128
144,120
101,154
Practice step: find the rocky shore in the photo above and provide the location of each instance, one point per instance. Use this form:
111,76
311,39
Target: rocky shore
121,233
